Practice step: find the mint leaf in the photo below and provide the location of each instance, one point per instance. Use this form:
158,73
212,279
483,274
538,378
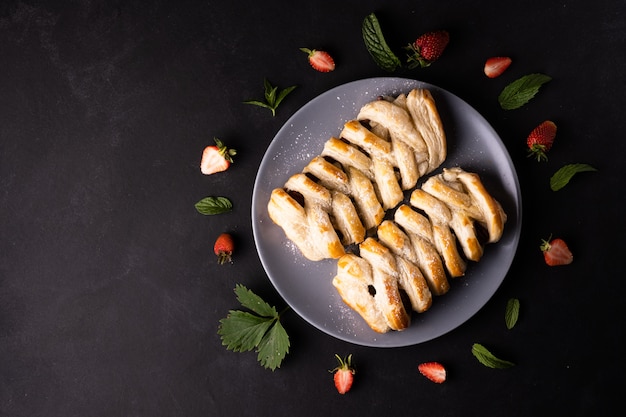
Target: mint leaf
262,330
213,205
562,177
520,91
273,97
377,46
487,358
512,313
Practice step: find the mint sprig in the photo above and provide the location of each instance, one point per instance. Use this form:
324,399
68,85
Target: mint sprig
273,97
377,46
563,176
214,205
521,91
488,359
512,313
259,330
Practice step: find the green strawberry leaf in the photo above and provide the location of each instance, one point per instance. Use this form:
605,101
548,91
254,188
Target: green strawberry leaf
273,347
253,302
562,177
521,91
262,330
242,331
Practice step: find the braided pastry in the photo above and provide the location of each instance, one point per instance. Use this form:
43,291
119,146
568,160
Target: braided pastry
348,203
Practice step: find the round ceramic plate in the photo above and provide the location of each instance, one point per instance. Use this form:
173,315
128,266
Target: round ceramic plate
307,286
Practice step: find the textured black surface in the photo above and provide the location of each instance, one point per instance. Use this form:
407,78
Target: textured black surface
110,295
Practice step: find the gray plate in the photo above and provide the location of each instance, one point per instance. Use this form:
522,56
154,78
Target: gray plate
306,286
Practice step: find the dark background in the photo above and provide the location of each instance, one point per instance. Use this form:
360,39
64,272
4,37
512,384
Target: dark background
110,295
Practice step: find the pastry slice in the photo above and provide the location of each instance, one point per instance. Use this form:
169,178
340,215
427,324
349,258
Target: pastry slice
357,134
287,213
385,276
399,123
410,277
328,174
414,285
414,222
436,209
346,219
348,156
463,211
353,283
311,191
465,232
492,212
387,183
366,201
406,163
419,230
445,243
452,192
322,232
423,110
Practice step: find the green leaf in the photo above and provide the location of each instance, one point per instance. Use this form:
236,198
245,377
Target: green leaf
562,177
512,313
487,358
250,300
377,46
521,91
213,205
242,331
273,97
274,347
261,330
282,94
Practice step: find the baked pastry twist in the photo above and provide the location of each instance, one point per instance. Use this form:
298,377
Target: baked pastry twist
349,203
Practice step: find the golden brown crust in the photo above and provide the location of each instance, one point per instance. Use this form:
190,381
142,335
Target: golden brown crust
421,106
346,219
353,282
494,216
385,275
286,212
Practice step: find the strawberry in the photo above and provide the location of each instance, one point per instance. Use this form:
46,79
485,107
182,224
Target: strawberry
556,252
344,374
433,371
427,48
320,60
216,158
540,140
223,248
495,66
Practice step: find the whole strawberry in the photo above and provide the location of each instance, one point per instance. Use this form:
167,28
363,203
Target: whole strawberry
540,140
223,248
320,60
344,374
427,48
556,252
216,158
